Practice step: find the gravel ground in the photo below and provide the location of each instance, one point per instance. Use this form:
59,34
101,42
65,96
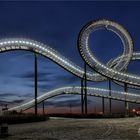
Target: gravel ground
77,129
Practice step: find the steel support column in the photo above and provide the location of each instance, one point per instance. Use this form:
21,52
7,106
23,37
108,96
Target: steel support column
103,107
126,103
43,106
110,103
35,74
82,98
85,87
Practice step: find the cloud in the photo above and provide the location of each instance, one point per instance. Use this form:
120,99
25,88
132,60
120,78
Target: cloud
17,101
3,103
67,79
42,76
15,95
49,79
30,75
7,94
66,103
41,86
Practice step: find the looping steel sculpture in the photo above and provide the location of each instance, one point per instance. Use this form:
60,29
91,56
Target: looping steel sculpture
114,69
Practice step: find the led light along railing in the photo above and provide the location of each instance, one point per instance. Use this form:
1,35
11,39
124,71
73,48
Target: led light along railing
26,44
135,56
85,34
98,66
116,95
50,53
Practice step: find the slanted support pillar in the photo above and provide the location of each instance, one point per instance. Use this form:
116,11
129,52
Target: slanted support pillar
35,74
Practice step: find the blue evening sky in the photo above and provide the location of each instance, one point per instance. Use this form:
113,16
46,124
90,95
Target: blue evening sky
57,24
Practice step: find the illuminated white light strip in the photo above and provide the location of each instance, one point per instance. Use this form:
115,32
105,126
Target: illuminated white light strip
77,90
98,66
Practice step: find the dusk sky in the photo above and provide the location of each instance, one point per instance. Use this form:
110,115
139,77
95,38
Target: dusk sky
57,24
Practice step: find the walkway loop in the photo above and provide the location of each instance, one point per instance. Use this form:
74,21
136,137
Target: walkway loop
114,69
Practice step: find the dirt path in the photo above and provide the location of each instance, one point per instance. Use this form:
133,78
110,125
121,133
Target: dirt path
77,129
